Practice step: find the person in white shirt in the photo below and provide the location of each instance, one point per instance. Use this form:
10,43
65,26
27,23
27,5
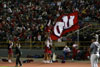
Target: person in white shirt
66,51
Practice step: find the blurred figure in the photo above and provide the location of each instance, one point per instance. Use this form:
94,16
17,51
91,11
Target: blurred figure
87,55
54,57
10,51
18,54
94,51
74,50
66,52
48,52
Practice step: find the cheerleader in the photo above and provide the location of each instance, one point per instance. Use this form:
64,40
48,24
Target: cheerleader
47,51
10,51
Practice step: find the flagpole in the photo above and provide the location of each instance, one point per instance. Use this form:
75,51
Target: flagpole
78,36
97,37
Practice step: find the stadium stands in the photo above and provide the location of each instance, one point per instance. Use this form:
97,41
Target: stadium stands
26,20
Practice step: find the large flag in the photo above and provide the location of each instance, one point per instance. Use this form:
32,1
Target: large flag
64,24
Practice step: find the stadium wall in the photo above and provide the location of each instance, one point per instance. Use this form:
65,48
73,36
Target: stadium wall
25,52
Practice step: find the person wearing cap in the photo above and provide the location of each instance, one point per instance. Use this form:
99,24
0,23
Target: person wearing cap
66,51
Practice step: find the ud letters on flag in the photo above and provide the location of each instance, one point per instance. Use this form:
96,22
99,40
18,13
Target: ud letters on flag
64,24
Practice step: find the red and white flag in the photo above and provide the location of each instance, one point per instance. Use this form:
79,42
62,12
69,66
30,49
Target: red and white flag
64,24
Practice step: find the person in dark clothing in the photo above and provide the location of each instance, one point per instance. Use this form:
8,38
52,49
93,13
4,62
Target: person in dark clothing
18,54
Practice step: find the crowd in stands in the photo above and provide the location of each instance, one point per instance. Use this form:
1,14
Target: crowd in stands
27,19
